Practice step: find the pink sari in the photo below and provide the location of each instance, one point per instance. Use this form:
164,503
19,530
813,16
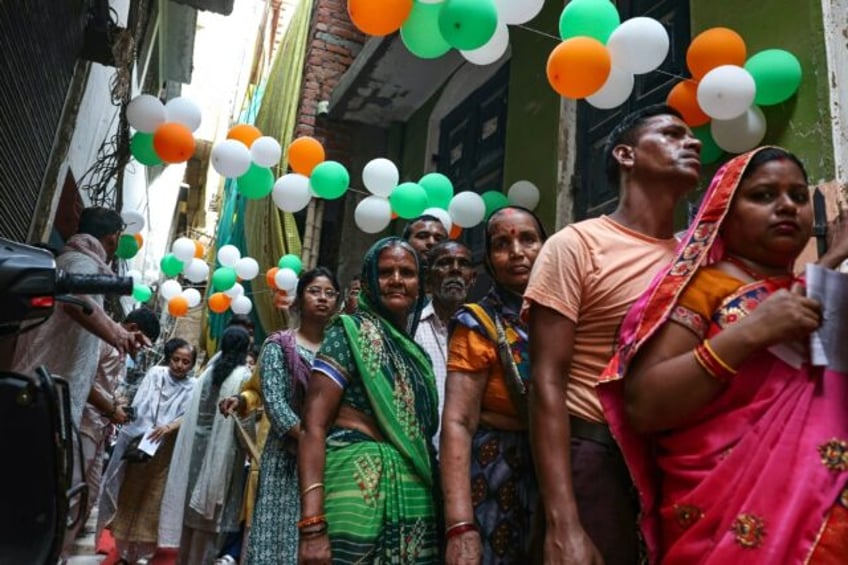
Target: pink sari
755,475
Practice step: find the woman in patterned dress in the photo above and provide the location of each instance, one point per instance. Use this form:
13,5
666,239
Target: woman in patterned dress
366,458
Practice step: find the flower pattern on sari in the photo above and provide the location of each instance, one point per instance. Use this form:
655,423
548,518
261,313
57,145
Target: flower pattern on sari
686,515
690,320
413,537
749,530
834,454
740,305
693,250
373,352
369,469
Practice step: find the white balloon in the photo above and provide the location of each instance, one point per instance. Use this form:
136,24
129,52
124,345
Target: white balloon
183,249
615,91
241,305
443,216
133,220
230,158
292,192
726,92
135,276
467,209
523,193
183,111
229,255
145,113
196,270
638,45
492,50
373,214
431,1
515,12
266,151
192,296
235,291
247,268
380,176
286,279
169,289
740,134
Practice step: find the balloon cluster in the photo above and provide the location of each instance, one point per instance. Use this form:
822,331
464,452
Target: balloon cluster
432,195
130,241
247,156
721,101
312,176
284,276
599,56
186,259
164,132
430,28
229,293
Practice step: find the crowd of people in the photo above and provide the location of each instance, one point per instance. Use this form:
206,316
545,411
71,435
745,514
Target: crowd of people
619,393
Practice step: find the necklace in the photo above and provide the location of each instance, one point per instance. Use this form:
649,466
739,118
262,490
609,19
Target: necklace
756,275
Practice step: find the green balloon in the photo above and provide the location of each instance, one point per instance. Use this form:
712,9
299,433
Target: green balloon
408,200
170,265
127,247
292,262
494,201
595,18
467,24
329,179
141,147
777,74
141,292
438,187
224,278
257,182
710,151
420,32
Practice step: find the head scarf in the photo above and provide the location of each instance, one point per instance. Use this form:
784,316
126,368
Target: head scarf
369,296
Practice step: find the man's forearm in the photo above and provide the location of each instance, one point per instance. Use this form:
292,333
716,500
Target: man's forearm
98,323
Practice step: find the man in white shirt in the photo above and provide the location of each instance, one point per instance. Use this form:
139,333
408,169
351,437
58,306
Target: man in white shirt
450,276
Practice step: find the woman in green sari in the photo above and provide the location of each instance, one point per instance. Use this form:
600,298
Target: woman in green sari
366,460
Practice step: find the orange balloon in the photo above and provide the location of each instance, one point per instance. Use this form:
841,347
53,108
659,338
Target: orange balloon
304,154
245,133
715,47
684,98
281,300
178,306
218,302
173,142
379,17
578,67
455,232
139,240
269,277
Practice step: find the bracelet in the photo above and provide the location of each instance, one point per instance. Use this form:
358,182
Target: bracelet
714,365
314,532
459,528
310,488
311,521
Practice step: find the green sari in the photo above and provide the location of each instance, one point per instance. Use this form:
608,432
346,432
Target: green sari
379,496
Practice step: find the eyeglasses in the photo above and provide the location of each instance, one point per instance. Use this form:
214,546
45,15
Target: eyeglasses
317,291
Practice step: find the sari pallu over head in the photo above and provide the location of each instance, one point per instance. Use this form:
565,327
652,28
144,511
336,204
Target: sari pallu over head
760,466
396,372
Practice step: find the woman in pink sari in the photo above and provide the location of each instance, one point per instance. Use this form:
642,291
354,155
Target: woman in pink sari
738,447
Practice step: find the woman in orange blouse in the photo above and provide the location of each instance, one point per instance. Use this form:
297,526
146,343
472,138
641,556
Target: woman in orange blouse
487,472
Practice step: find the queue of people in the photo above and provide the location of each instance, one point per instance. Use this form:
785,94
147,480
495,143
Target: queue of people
618,394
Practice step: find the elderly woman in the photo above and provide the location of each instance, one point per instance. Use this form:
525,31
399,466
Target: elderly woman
487,470
366,460
736,444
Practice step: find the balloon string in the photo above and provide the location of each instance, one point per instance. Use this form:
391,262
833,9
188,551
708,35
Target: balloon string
558,39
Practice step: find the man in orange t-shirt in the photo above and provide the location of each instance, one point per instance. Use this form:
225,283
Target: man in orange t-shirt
584,281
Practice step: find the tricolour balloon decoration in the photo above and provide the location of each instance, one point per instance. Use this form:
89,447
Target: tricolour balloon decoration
247,156
164,132
720,102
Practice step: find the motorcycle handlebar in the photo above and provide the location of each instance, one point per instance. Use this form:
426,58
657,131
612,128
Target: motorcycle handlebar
67,283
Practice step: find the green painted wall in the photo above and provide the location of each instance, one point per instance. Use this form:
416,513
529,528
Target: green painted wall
802,124
533,112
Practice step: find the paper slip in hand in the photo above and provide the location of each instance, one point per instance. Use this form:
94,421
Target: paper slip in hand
827,344
148,445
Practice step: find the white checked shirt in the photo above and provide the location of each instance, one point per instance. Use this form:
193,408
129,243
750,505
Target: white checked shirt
432,335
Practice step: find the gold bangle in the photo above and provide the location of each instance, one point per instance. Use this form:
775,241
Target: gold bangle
718,359
310,488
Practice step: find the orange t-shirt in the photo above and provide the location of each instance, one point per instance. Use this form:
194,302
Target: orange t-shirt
591,272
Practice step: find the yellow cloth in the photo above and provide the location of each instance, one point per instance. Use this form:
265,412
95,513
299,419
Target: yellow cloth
251,394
